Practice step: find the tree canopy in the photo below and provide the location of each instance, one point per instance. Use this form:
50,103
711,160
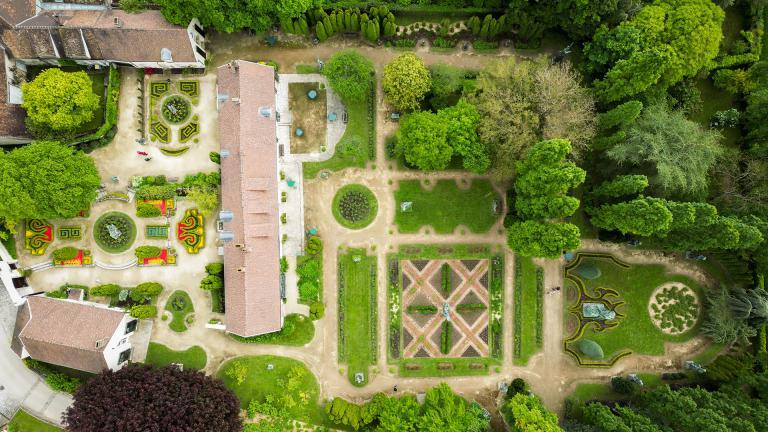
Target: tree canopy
526,413
522,102
234,15
46,180
406,81
58,102
349,74
666,41
139,397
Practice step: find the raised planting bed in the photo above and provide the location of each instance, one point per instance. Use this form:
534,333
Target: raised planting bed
37,236
180,305
114,232
191,231
354,206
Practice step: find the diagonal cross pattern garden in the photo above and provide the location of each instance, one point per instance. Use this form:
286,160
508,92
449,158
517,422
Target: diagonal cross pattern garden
446,308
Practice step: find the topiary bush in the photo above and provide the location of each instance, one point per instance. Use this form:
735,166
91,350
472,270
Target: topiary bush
106,290
65,253
316,311
144,311
590,349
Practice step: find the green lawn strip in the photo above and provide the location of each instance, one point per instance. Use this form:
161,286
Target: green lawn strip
373,206
446,206
708,355
299,261
592,391
358,302
298,330
178,315
160,355
357,132
635,285
461,367
10,245
24,422
261,383
525,299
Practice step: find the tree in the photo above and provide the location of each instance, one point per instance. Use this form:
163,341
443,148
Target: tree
227,15
422,139
680,152
523,102
406,81
754,118
720,322
212,282
462,120
642,216
622,185
146,290
46,180
349,74
214,268
545,240
139,397
665,42
527,414
58,102
447,84
444,410
144,311
206,199
622,115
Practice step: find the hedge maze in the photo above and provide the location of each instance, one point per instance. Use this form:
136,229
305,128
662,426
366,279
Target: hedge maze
189,130
160,131
70,232
190,88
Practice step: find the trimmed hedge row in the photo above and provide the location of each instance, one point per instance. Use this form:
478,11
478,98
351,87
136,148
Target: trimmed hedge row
422,309
539,306
108,129
445,337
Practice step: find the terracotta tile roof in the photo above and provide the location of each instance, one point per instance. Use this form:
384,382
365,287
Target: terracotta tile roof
67,333
249,190
16,11
72,41
11,116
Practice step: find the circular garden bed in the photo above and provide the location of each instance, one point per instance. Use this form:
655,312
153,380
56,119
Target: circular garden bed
355,206
674,308
114,232
176,109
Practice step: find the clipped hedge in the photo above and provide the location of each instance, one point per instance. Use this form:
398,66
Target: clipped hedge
65,253
422,309
143,252
108,130
146,210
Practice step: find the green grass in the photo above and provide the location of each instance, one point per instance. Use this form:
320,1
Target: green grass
23,422
525,298
461,367
177,323
446,206
306,68
131,232
635,330
160,355
261,383
298,330
373,206
357,133
713,100
358,302
708,355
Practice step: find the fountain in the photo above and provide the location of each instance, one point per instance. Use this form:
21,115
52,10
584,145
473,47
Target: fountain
114,232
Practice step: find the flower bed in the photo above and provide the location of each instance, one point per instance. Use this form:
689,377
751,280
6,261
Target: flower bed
70,232
191,231
156,231
37,237
82,258
175,109
167,256
114,232
167,206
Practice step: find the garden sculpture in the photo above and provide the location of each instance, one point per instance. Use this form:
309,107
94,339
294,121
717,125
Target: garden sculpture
359,377
114,232
446,311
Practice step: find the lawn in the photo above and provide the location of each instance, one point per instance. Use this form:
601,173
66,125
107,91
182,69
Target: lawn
635,331
23,422
525,299
309,115
357,306
361,213
298,330
290,385
179,305
357,139
160,355
447,206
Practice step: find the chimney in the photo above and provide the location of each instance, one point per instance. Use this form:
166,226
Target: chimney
117,22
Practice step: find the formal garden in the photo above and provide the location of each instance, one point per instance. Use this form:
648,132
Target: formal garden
445,309
615,309
358,312
174,121
307,103
114,232
354,206
180,309
445,205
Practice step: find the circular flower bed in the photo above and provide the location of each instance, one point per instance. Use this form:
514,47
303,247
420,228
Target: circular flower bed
354,206
674,308
176,109
114,232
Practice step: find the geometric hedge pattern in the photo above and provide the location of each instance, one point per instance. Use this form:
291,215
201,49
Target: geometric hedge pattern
425,286
190,88
188,131
71,232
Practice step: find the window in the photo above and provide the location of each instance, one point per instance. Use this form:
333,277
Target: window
131,326
124,356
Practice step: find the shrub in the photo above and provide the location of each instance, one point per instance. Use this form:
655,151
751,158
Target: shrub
725,119
106,290
151,192
60,382
443,43
59,293
144,311
146,210
215,157
316,311
354,206
622,385
215,268
445,337
314,245
422,309
146,290
237,371
591,349
308,289
212,282
518,385
143,252
283,264
65,253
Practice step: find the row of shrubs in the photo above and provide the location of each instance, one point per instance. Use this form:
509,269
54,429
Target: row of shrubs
214,283
445,337
422,309
310,271
445,278
374,23
518,311
108,129
539,306
55,380
497,305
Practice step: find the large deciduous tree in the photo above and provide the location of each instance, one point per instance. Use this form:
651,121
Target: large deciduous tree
521,102
542,239
233,15
526,413
642,216
406,81
679,152
140,397
46,180
349,74
58,102
665,42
